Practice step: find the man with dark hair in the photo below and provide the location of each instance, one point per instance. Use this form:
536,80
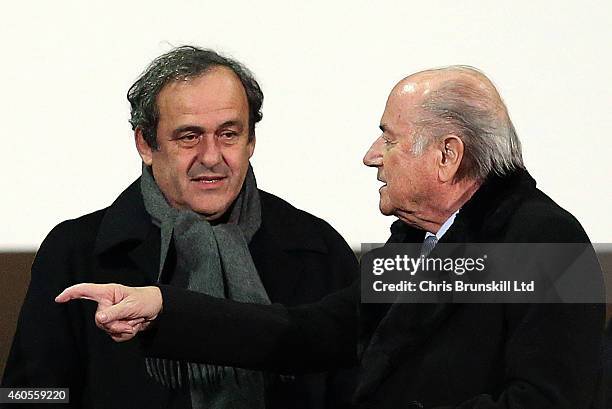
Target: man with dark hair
452,172
181,64
195,219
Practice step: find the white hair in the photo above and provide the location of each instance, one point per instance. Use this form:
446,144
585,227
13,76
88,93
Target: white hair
473,111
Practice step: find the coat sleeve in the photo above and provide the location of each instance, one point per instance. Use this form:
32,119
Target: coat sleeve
44,352
309,338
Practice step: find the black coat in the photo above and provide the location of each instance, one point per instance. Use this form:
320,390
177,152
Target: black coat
300,258
493,356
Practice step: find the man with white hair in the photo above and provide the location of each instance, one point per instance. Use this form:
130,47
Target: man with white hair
452,170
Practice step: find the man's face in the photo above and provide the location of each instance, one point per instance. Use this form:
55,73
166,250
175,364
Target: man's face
203,148
409,179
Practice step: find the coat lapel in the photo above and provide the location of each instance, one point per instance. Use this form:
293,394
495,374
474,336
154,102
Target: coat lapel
126,228
146,255
274,265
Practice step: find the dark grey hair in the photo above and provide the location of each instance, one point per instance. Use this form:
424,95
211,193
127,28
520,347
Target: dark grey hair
184,63
478,116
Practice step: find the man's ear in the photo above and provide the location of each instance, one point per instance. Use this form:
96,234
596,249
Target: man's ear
251,146
145,151
450,158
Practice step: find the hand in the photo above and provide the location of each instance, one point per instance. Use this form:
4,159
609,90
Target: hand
122,311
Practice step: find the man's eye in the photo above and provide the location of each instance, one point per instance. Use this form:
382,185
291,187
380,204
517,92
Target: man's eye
189,139
228,135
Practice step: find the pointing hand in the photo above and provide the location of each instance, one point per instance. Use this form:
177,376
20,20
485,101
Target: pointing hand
122,311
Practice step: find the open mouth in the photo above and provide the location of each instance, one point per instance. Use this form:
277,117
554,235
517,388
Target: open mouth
209,180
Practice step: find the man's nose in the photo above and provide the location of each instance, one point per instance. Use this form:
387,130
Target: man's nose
210,152
373,156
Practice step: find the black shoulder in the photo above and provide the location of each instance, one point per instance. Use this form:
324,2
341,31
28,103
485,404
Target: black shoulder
538,219
81,230
69,240
273,204
320,249
297,226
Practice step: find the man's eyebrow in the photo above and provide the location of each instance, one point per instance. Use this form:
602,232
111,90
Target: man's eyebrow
232,122
200,129
187,128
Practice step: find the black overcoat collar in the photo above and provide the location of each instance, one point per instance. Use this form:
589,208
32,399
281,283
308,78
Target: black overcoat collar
127,227
482,217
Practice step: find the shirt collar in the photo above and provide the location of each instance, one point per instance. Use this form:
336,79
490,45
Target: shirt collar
444,228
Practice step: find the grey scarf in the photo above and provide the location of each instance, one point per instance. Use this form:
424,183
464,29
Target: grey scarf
213,260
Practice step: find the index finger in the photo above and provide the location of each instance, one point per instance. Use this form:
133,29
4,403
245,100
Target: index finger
85,291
